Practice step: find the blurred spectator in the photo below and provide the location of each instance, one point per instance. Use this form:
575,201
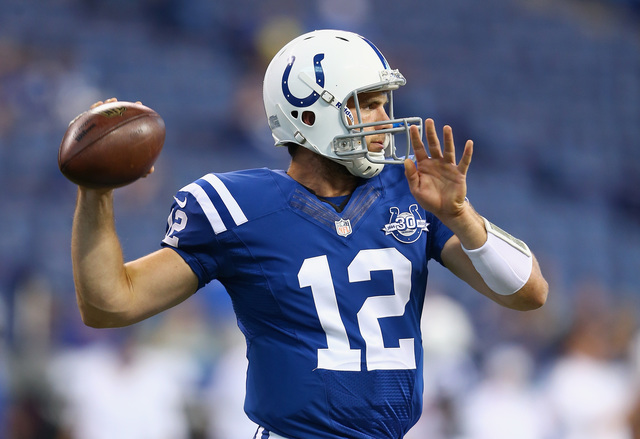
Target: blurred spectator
505,403
226,394
28,416
589,387
4,360
449,369
122,389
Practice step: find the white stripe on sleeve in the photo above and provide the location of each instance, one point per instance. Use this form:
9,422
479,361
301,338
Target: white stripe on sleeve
232,205
207,207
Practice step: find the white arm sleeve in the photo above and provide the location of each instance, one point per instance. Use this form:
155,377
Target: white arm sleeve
504,262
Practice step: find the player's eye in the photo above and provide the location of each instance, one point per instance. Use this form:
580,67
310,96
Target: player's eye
374,105
370,105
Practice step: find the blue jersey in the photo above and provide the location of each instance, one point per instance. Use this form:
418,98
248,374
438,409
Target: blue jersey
329,302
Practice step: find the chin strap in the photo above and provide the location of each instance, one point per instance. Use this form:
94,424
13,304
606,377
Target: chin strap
326,95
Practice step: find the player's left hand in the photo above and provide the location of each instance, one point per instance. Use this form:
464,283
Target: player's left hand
435,180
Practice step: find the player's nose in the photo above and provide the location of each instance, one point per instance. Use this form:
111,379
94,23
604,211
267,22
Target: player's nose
382,116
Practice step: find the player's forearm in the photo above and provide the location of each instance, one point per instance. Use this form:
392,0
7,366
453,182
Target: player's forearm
102,288
505,264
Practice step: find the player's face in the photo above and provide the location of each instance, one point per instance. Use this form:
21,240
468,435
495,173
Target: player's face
373,108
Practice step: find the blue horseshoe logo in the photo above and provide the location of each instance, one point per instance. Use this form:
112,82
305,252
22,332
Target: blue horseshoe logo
313,97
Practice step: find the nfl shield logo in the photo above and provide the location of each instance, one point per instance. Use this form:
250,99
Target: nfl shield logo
343,227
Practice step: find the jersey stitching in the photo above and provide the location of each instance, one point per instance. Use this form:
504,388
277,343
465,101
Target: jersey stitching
318,210
314,208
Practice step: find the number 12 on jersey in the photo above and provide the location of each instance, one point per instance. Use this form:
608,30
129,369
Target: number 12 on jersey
316,273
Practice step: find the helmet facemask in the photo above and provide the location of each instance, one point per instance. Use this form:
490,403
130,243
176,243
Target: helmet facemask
353,145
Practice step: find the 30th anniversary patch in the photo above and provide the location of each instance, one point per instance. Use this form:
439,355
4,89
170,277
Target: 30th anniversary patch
406,226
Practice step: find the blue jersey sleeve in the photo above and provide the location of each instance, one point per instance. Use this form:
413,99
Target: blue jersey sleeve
190,232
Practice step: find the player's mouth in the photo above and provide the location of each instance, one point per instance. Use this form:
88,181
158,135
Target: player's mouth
378,144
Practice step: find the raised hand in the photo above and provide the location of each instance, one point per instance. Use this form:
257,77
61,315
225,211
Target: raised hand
437,182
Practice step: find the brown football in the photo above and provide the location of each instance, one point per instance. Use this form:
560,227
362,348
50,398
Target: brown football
111,145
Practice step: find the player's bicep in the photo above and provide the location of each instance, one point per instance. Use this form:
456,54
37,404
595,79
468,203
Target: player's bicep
159,281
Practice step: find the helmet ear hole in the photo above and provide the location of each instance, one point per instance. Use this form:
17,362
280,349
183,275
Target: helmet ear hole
294,114
309,118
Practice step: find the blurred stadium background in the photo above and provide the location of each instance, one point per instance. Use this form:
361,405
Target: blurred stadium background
548,90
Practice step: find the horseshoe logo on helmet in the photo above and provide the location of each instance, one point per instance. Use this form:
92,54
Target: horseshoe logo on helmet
313,97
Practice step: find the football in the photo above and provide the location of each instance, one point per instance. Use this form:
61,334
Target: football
111,145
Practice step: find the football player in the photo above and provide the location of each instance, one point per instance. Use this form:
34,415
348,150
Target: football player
326,263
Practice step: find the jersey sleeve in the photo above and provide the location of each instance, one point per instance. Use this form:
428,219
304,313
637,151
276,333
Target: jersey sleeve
192,229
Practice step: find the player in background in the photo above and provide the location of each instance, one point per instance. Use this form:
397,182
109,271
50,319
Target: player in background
326,263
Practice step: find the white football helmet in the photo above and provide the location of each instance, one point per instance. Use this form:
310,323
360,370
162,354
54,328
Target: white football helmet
319,72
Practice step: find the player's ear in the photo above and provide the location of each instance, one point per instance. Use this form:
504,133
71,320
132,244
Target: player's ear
309,118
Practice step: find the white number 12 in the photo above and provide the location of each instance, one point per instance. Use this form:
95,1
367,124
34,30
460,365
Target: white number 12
338,355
